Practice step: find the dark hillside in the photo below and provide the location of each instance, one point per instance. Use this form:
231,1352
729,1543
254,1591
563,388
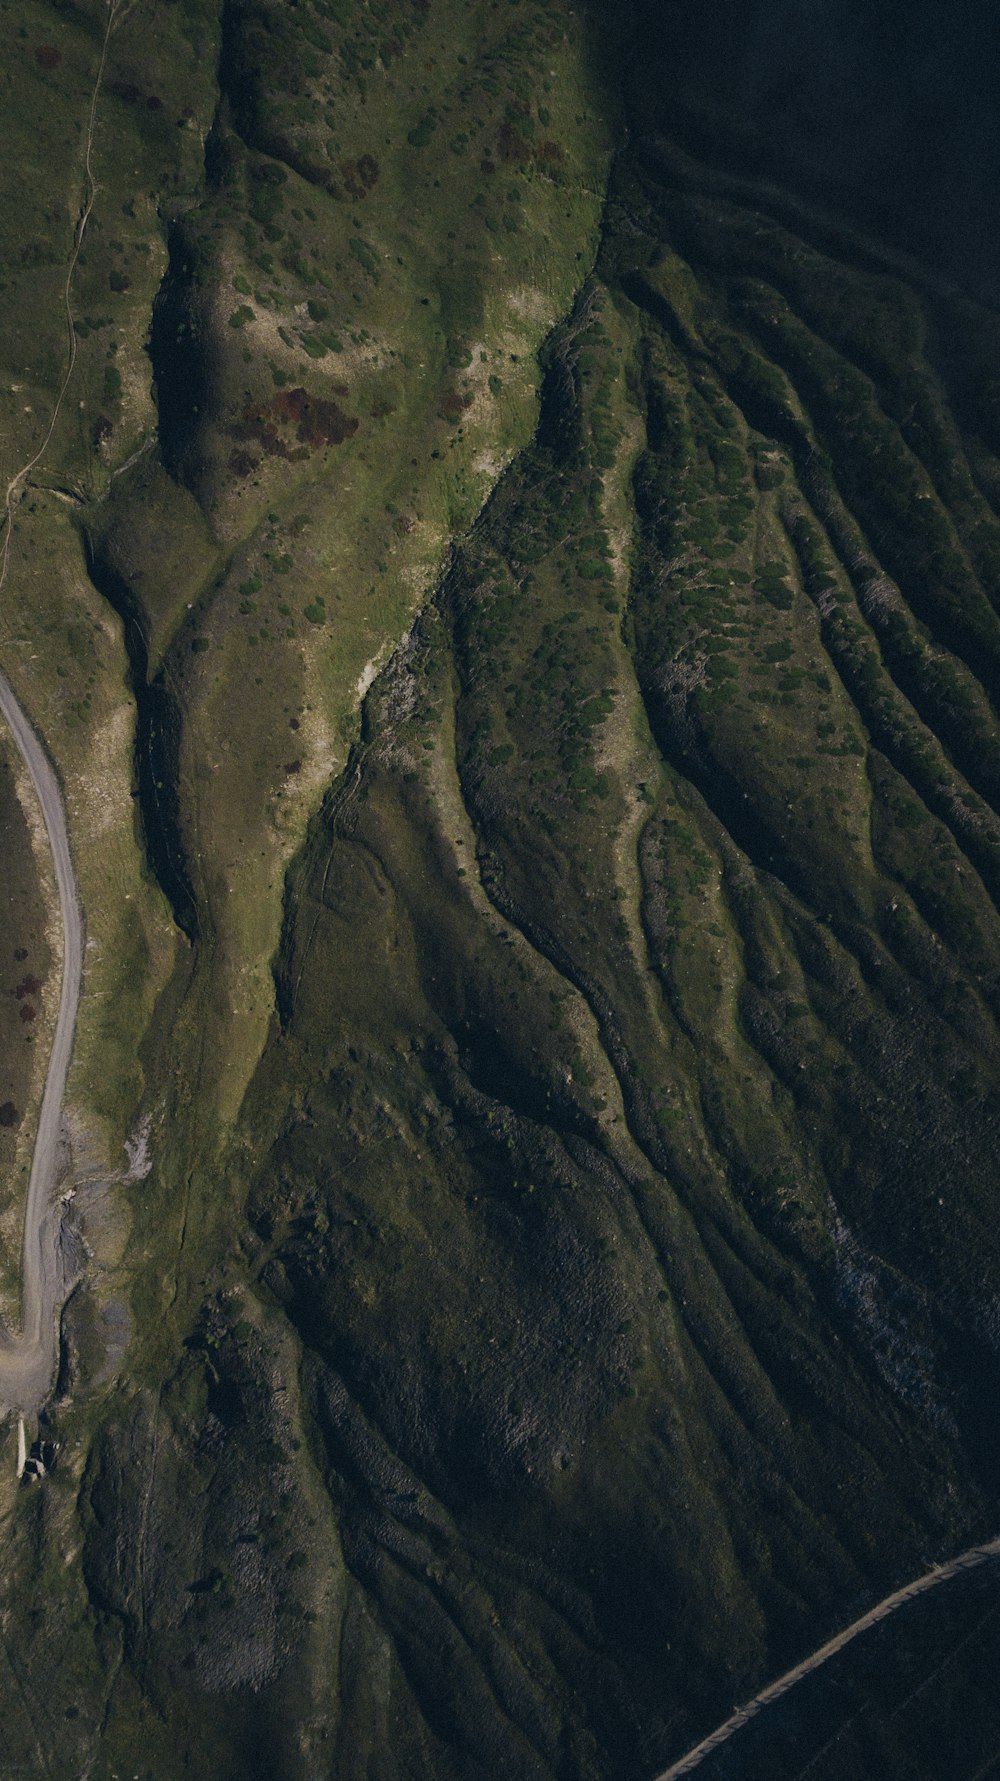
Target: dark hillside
885,112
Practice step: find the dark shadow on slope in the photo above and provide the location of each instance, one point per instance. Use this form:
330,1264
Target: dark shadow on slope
914,1695
178,355
157,747
885,113
251,97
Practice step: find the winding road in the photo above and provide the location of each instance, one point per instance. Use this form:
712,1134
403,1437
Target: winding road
28,1359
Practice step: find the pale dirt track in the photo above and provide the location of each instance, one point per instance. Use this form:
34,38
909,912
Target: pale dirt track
28,1360
966,1561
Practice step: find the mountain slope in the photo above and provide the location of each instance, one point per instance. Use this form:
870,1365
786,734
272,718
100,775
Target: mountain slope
565,1288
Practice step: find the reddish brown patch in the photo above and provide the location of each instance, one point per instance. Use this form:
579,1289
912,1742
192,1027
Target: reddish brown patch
317,422
28,1012
258,427
30,986
47,56
551,152
404,523
511,145
242,463
454,404
293,766
293,723
153,103
313,420
360,175
101,430
487,166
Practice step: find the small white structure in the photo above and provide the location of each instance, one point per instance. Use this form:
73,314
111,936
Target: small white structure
36,1462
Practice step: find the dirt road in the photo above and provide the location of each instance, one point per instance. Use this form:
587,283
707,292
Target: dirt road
966,1561
27,1361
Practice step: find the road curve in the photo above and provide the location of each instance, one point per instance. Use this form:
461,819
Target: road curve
966,1561
28,1360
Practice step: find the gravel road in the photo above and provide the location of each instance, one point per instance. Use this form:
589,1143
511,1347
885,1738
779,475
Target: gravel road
28,1360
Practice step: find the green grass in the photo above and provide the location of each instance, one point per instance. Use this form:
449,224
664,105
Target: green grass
424,439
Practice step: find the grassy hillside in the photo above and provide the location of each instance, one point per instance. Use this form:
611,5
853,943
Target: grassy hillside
514,608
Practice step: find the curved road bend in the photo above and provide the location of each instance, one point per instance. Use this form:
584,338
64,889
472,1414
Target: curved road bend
966,1561
27,1361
